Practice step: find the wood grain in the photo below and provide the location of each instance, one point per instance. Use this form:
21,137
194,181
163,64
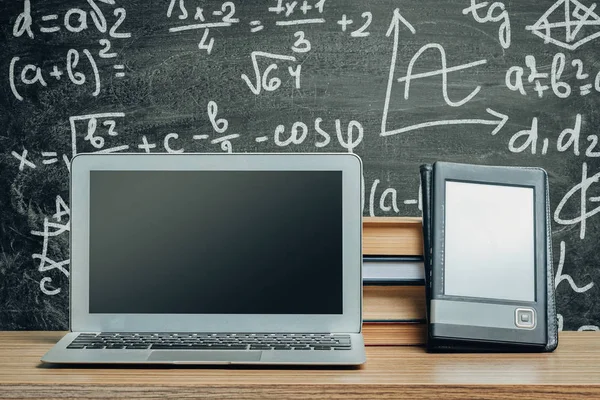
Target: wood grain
399,303
398,236
394,334
572,372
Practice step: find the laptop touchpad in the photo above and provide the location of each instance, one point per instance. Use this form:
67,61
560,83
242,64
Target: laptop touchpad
204,355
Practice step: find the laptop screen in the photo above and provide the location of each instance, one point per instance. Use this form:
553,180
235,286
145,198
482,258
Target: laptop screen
215,242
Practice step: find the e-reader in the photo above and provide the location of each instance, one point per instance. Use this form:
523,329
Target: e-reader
488,258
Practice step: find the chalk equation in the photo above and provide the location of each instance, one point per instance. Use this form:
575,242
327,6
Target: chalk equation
77,66
398,84
101,133
569,140
261,80
553,81
74,20
292,13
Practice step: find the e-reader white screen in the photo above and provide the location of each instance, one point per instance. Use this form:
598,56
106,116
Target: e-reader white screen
489,241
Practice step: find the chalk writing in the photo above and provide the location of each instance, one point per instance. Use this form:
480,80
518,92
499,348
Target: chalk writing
560,277
92,136
52,230
32,74
301,45
75,20
299,131
443,72
504,31
219,125
225,13
388,199
394,28
569,140
584,214
352,140
572,16
560,321
451,85
362,30
498,123
296,12
167,144
256,26
225,142
23,161
553,79
225,18
588,328
262,81
48,158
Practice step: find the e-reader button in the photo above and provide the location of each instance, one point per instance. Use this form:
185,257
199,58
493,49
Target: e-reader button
525,318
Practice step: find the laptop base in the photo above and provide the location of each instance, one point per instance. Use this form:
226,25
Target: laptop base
60,354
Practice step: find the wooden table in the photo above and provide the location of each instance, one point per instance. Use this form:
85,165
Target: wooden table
572,372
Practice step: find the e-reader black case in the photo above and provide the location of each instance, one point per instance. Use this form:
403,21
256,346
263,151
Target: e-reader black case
443,340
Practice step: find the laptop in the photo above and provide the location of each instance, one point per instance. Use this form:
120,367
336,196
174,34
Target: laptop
215,259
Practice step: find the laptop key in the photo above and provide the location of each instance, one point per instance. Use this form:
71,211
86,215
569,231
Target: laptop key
230,347
322,347
163,347
115,346
200,347
76,346
95,347
259,347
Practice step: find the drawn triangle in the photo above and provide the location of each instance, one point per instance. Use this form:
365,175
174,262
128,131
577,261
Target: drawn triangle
585,9
583,16
545,18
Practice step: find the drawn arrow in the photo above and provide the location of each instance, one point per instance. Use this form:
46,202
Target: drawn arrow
498,122
395,24
395,28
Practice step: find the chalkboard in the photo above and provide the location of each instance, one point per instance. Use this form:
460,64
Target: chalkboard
398,83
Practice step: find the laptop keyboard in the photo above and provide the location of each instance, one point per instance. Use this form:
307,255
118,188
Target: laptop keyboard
210,341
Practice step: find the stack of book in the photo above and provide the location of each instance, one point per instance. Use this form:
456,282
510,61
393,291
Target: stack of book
393,281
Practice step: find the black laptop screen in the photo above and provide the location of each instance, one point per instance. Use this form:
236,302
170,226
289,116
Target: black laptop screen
216,242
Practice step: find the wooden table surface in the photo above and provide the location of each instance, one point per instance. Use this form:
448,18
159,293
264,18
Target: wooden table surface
571,372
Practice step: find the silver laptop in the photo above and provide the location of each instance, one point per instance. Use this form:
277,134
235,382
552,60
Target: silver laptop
215,259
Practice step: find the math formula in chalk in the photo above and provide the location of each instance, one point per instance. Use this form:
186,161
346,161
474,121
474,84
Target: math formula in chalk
399,84
77,66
